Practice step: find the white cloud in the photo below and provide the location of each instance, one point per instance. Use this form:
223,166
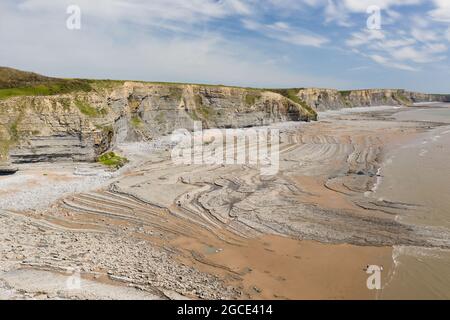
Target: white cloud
442,11
362,5
411,41
282,31
364,37
177,15
240,7
335,12
42,43
425,55
388,63
424,35
209,40
398,43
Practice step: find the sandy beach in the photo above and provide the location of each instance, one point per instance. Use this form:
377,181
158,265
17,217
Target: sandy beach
223,231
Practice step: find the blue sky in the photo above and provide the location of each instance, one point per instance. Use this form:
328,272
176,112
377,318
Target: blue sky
266,43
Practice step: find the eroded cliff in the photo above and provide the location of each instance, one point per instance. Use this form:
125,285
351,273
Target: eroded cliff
81,125
50,119
330,99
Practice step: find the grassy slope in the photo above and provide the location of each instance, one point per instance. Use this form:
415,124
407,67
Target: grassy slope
15,83
12,78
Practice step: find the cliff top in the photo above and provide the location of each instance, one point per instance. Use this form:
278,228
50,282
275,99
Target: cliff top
15,82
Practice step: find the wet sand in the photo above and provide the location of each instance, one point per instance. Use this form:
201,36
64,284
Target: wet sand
272,267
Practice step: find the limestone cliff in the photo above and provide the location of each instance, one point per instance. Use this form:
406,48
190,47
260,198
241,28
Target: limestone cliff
81,125
49,119
329,99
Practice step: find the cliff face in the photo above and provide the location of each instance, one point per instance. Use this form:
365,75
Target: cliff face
49,119
80,126
36,129
329,99
148,111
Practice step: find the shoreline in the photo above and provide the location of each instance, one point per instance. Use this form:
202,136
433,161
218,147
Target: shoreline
227,236
420,272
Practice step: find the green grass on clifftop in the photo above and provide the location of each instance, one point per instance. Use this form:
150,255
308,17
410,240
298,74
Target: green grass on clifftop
47,89
12,78
15,83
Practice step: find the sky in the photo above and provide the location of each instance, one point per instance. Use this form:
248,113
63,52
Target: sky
343,44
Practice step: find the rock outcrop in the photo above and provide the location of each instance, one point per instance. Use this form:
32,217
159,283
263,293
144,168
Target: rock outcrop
329,99
50,128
